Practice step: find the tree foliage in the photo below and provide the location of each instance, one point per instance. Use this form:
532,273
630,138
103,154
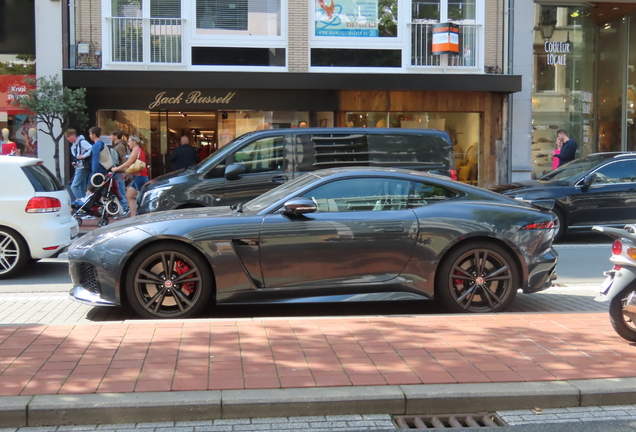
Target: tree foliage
56,108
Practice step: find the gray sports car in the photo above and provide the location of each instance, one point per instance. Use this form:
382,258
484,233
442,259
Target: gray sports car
339,234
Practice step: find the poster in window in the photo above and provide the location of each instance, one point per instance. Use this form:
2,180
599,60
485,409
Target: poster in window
347,18
445,39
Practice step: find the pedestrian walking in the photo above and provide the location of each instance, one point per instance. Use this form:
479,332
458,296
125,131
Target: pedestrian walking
102,161
183,156
137,151
121,148
81,151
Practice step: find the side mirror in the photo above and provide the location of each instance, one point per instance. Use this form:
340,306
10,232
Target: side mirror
234,171
589,179
299,206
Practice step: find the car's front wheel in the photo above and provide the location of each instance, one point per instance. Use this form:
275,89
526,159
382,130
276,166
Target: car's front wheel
14,253
478,278
169,280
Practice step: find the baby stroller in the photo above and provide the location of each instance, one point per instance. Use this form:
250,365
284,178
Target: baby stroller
102,203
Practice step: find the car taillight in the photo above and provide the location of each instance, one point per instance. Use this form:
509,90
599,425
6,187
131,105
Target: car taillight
453,174
617,247
43,205
539,226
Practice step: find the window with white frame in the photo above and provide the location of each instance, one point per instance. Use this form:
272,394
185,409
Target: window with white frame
238,17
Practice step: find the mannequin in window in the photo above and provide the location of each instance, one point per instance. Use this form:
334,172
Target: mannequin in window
8,146
31,143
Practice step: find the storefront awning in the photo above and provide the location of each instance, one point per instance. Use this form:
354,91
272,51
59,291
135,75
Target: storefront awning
291,81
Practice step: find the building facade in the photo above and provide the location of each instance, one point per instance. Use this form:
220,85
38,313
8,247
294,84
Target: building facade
577,64
215,69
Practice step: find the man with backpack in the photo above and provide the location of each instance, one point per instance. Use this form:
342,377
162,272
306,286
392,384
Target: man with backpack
81,151
102,161
121,152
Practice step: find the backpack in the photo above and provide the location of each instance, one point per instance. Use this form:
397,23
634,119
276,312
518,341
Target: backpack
114,155
86,162
105,158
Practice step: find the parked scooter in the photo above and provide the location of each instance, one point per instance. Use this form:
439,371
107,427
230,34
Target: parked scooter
619,287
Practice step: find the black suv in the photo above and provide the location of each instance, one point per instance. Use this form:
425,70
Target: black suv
258,161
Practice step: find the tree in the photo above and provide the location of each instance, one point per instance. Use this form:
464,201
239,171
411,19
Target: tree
56,108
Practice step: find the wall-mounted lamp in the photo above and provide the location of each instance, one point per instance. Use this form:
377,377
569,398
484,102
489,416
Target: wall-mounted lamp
547,21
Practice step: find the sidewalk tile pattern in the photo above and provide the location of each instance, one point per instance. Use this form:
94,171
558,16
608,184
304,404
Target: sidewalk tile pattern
309,352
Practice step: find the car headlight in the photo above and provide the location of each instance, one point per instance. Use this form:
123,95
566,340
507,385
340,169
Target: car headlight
152,196
103,238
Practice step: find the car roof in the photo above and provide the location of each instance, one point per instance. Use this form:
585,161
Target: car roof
610,155
371,131
19,160
375,171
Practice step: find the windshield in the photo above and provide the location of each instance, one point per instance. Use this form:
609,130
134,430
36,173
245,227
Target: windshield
223,149
259,203
571,171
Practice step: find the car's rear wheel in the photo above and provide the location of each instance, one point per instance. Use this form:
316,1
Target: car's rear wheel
478,278
169,280
14,253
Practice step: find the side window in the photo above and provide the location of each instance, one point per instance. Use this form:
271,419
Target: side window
617,172
407,150
361,194
422,194
263,155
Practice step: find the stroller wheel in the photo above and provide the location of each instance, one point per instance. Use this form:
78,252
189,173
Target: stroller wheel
113,207
102,222
98,179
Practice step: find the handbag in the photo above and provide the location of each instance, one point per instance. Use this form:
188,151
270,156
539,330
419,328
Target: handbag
137,166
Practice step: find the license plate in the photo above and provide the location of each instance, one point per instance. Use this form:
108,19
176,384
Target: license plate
607,284
74,232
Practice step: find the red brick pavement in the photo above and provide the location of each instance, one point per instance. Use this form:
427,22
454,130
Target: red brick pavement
286,353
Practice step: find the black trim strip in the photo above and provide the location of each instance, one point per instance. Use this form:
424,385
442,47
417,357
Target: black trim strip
76,78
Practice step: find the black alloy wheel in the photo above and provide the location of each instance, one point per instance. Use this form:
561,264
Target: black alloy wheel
169,281
478,278
14,253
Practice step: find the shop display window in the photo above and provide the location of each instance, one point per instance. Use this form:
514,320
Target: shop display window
462,128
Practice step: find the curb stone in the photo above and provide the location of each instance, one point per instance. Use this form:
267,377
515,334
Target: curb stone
117,408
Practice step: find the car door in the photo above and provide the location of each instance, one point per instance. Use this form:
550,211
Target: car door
362,232
611,199
267,160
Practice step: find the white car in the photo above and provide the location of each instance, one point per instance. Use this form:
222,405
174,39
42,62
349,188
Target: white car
35,214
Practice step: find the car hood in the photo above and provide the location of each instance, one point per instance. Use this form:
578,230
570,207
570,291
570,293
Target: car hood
178,176
194,213
526,186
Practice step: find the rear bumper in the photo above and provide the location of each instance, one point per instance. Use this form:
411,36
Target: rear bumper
541,271
49,234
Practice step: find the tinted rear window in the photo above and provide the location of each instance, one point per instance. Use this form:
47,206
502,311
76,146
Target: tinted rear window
407,150
42,179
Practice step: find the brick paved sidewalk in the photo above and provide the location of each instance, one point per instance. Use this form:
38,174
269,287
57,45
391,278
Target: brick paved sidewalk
304,352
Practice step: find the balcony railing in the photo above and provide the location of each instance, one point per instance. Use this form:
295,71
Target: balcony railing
421,42
146,40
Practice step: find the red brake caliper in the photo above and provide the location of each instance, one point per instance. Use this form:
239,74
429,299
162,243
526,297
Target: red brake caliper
459,283
182,268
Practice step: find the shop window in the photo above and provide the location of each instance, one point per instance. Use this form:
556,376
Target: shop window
356,18
356,57
238,17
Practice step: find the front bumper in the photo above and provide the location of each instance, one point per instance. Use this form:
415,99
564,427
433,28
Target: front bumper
541,271
82,295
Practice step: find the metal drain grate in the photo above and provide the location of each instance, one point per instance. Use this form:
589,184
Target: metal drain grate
450,421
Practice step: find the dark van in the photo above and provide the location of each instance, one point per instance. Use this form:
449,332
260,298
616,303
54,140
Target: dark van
258,161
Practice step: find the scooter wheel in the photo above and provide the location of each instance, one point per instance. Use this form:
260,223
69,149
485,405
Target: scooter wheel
623,325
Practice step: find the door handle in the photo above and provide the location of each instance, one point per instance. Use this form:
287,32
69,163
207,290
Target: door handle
394,230
279,179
